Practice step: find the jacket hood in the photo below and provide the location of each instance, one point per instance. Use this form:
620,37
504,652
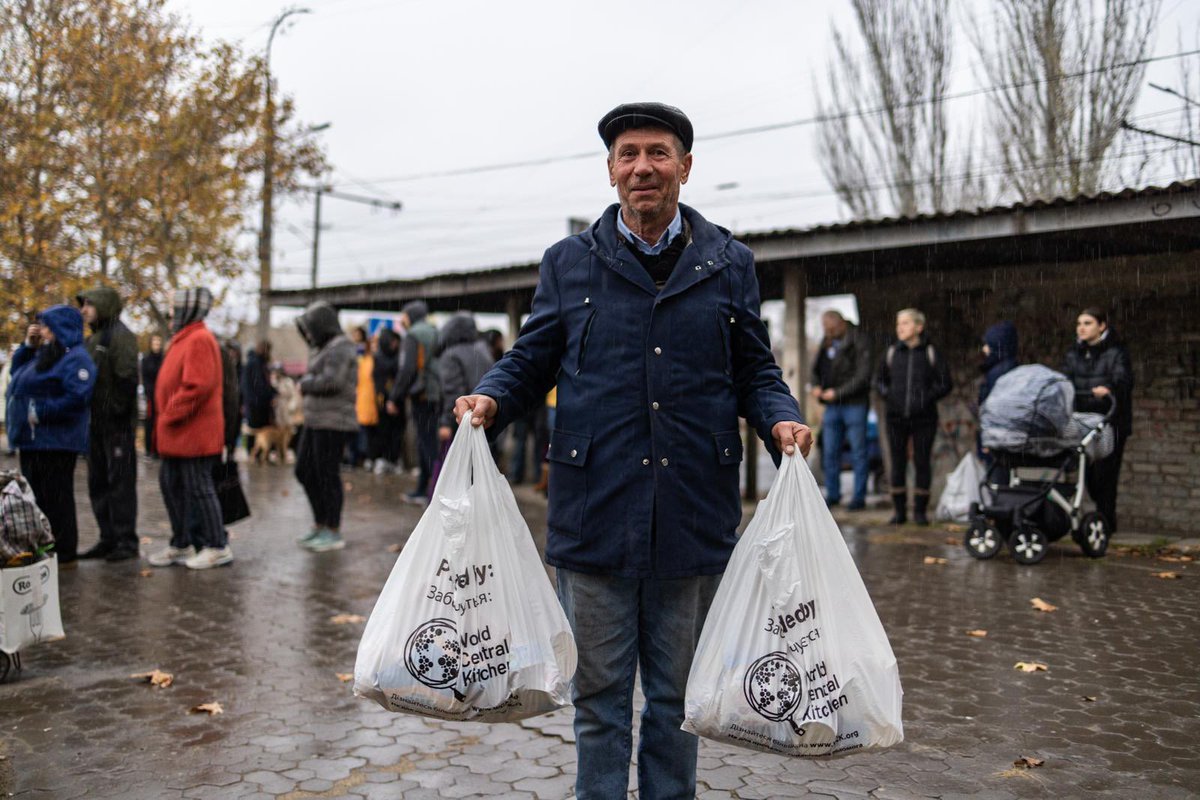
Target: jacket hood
417,310
66,323
107,302
459,329
389,341
1001,340
318,324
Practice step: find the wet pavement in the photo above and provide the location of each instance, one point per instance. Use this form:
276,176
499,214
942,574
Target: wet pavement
1116,713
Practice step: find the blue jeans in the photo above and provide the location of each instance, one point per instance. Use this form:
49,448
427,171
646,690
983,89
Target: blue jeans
621,624
839,423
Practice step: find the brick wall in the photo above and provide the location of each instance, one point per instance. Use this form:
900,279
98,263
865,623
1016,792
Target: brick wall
1154,305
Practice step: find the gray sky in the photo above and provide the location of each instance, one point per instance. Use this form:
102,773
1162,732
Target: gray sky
413,87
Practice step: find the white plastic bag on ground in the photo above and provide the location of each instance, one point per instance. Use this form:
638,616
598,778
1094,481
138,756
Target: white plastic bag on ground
962,489
793,659
468,626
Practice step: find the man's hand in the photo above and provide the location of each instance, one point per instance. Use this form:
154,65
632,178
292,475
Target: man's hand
392,409
482,408
829,395
788,435
33,335
1100,391
444,433
815,392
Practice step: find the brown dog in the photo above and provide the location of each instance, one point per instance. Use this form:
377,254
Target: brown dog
268,439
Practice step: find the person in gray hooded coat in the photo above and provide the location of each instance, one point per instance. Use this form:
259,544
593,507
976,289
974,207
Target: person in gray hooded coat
329,390
463,360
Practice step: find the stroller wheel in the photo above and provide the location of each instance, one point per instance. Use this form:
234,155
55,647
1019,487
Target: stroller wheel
1028,544
1093,534
982,538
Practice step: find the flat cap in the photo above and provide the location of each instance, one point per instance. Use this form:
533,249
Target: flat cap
628,116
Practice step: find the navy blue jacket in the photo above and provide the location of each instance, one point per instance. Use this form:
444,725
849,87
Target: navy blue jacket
62,395
1001,340
645,451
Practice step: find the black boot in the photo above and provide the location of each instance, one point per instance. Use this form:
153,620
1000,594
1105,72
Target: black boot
900,501
920,506
99,550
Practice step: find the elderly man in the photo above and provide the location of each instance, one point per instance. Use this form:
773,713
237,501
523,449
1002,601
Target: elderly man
649,322
842,382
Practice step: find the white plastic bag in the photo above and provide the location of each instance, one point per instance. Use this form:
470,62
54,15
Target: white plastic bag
793,659
29,612
962,489
468,626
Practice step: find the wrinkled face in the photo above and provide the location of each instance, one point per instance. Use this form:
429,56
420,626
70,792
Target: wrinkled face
90,314
1089,329
907,328
647,168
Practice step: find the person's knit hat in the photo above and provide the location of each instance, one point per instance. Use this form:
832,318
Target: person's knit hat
629,116
191,305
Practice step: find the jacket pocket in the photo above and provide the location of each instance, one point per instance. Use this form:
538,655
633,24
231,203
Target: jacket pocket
568,454
583,341
729,447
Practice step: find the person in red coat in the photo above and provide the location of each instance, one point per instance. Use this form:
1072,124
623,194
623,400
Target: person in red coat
189,432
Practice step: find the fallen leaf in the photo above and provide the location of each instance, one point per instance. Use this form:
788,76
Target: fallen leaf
952,540
146,573
954,529
1186,558
1087,698
934,560
347,619
212,709
147,540
1030,666
155,677
978,634
394,548
1172,559
345,677
1041,605
1167,575
348,486
1028,762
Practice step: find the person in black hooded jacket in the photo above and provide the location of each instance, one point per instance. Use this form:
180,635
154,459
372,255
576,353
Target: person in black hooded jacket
384,446
1101,371
912,378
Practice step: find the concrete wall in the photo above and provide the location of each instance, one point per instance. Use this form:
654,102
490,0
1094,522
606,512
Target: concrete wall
1154,304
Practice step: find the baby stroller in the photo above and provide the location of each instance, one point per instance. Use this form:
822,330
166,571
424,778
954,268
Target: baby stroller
1034,492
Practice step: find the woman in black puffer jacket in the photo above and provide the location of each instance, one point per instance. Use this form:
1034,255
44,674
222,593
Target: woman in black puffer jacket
1099,367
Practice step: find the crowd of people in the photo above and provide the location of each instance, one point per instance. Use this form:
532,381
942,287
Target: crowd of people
911,376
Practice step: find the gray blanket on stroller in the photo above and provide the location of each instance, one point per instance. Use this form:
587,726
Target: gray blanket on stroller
1028,411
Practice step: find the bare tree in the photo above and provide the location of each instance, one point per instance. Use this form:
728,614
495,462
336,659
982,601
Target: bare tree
883,140
1067,73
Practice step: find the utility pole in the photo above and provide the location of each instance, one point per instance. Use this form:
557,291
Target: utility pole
327,191
268,187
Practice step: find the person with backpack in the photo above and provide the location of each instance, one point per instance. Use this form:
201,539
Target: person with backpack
112,454
912,378
418,380
329,390
47,417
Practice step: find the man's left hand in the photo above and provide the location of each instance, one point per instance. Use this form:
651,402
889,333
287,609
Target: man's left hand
788,435
445,434
829,395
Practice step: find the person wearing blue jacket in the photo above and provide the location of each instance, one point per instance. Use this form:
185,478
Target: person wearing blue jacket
49,409
648,322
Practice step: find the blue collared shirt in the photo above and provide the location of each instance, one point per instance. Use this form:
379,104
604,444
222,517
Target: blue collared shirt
673,230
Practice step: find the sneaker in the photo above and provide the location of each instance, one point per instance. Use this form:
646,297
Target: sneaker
832,503
367,465
171,556
382,466
414,499
856,505
326,541
308,537
210,557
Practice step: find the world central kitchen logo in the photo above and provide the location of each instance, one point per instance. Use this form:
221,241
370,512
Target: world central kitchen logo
436,654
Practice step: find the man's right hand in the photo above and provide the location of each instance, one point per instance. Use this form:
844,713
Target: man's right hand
33,335
481,407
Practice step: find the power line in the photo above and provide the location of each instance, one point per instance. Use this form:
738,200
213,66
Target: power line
1157,135
795,123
